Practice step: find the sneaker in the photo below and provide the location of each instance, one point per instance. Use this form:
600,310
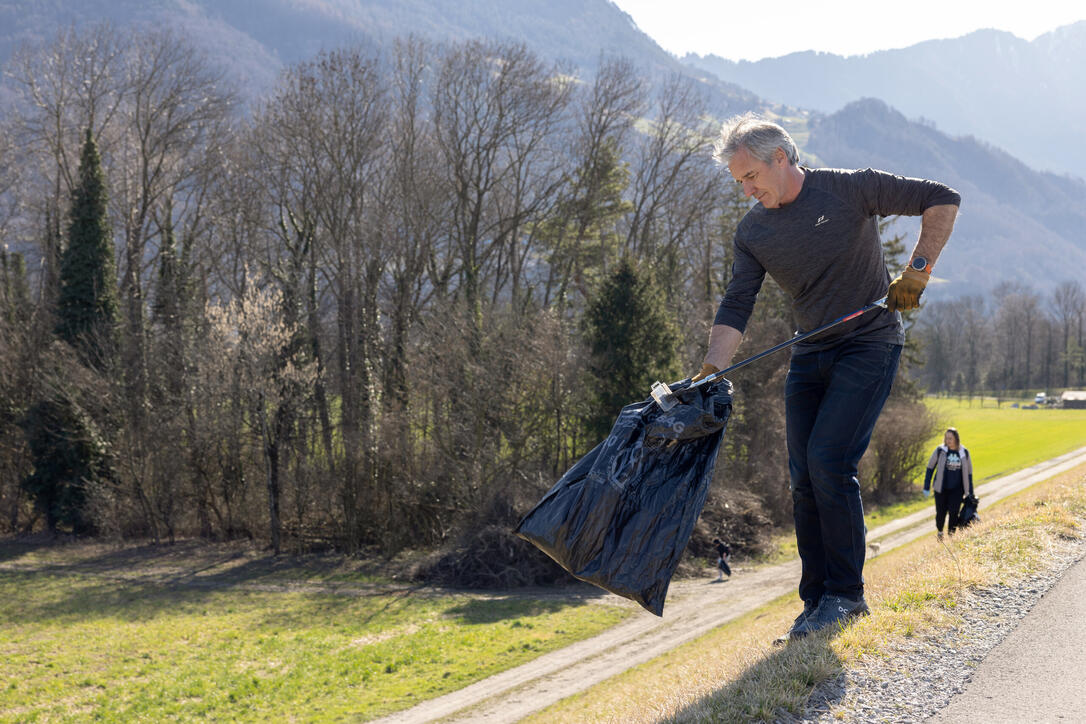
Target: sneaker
809,608
940,535
833,610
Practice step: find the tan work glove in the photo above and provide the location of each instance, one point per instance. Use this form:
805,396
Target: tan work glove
905,291
706,370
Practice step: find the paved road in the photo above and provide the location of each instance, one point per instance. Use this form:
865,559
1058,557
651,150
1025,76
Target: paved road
1038,673
692,609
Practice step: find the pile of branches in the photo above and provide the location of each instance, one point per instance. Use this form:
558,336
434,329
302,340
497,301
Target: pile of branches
493,558
745,528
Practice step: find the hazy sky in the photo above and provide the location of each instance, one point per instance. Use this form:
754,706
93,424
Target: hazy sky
751,31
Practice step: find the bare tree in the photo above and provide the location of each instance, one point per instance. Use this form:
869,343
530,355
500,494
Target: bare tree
975,333
1016,308
496,114
941,332
10,173
582,238
674,179
1069,301
255,346
172,121
320,150
495,109
64,87
412,197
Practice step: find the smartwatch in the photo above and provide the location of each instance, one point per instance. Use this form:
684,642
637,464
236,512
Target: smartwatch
920,264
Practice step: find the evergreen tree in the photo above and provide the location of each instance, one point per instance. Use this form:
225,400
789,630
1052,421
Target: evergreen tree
16,371
632,342
66,449
582,236
68,454
87,304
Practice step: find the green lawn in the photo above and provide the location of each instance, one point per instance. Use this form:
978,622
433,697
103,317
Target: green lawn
1001,439
1004,439
76,646
135,639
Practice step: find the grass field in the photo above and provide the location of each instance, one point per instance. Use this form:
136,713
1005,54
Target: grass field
80,640
86,633
1004,439
1001,439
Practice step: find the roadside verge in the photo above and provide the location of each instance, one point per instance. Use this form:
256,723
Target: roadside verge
693,609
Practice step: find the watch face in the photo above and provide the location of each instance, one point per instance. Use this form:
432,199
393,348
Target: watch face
920,263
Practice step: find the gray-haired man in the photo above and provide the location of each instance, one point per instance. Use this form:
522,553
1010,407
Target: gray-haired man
815,231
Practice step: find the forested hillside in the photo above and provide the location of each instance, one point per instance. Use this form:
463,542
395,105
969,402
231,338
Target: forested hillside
1009,207
374,305
358,317
255,45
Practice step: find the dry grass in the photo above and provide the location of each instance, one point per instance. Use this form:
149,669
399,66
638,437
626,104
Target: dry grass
735,674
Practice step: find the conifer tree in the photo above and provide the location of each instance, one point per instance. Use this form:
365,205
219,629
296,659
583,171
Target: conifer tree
582,235
87,304
68,454
632,342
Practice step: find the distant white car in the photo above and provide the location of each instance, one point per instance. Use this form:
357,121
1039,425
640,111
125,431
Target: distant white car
1040,398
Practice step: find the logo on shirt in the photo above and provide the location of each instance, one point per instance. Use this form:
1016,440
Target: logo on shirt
821,220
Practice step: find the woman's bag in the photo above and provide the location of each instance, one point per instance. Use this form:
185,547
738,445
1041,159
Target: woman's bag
968,516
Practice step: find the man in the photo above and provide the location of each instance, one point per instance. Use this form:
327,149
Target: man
815,231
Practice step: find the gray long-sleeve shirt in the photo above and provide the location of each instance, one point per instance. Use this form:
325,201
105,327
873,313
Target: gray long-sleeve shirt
824,251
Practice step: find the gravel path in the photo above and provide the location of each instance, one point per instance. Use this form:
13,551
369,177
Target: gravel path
920,676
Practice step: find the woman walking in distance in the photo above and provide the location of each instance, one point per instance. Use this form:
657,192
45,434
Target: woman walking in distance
953,472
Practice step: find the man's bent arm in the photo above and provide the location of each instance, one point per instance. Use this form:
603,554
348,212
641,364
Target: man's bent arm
935,226
723,341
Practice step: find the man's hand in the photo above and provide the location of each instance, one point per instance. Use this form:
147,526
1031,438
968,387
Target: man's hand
706,370
905,291
926,492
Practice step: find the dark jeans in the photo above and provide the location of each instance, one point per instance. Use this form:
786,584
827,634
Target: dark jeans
833,398
948,501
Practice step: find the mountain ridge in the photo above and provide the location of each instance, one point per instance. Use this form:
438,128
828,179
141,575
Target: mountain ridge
1022,96
1015,222
288,31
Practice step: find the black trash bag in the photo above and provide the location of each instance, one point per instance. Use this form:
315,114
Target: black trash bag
969,516
621,517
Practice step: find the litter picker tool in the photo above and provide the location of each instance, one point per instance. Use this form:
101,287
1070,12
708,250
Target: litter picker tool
621,517
666,399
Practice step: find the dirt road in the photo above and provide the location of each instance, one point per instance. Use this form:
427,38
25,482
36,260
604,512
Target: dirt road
693,608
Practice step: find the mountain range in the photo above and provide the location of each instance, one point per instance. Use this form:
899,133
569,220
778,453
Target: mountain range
1025,97
1016,222
255,39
